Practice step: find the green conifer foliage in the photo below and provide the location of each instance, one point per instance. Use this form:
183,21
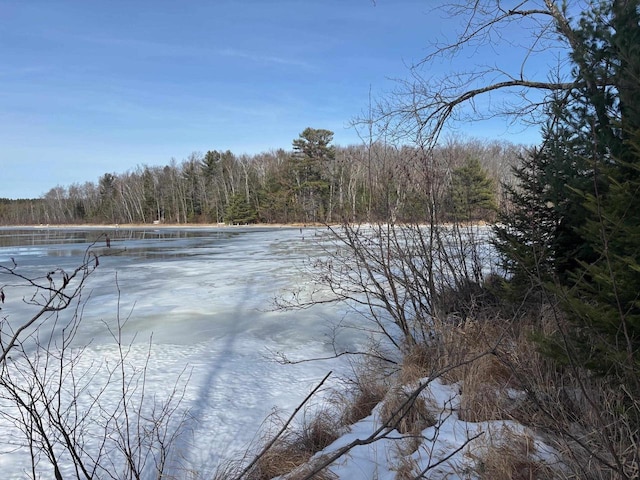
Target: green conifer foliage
313,153
473,193
575,223
240,211
605,299
524,232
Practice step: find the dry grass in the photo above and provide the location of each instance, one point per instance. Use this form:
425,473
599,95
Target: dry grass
365,400
585,417
474,355
318,432
406,413
278,460
483,386
511,457
360,395
418,363
295,447
305,470
458,345
406,469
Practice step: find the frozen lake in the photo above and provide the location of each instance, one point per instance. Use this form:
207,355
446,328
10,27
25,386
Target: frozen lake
203,296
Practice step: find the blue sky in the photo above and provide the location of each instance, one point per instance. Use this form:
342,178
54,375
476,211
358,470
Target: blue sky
89,87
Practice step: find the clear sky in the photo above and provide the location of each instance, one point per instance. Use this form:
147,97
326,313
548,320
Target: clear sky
90,87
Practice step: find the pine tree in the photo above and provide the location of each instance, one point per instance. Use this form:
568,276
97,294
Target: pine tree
312,153
472,193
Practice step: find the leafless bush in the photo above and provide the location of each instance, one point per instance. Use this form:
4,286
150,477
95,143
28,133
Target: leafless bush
396,276
74,416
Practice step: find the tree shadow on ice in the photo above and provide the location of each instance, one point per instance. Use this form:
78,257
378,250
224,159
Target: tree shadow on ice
189,446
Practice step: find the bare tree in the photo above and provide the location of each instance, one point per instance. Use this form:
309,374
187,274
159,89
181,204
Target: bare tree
425,104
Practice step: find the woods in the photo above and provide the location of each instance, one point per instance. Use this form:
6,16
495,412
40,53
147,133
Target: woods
315,182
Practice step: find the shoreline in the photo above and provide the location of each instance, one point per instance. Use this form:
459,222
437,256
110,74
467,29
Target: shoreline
196,226
148,226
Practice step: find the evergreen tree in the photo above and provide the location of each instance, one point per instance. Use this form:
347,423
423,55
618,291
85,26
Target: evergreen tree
472,193
537,235
579,191
107,189
312,154
240,211
277,193
524,232
606,296
605,300
149,197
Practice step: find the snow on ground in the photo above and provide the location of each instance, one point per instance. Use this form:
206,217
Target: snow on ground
448,450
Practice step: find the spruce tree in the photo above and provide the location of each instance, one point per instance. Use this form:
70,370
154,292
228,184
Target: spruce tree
240,211
605,300
579,192
472,193
524,232
536,233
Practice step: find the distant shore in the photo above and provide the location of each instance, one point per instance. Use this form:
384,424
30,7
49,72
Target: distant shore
155,226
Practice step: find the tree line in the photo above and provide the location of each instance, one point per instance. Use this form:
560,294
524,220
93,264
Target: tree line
315,182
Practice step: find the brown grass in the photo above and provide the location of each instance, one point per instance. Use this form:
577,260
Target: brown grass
305,470
457,345
363,403
483,386
295,447
318,432
360,395
510,457
418,363
406,469
278,460
406,413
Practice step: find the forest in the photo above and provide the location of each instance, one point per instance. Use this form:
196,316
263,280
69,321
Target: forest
315,182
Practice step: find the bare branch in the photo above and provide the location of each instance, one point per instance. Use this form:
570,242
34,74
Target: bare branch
283,429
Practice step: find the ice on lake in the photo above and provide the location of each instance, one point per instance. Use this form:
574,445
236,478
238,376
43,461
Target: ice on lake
198,301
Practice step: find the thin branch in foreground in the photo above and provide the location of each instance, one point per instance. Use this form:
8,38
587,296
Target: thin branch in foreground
270,444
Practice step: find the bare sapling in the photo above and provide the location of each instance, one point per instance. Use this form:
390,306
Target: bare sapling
67,411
